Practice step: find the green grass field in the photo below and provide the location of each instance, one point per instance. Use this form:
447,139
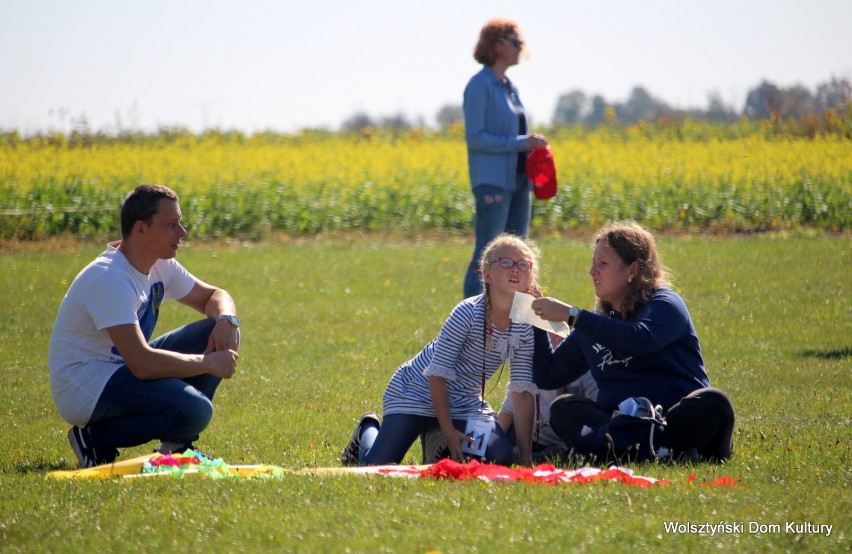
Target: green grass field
326,322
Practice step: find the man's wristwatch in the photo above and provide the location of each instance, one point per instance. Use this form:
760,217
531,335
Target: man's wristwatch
573,312
232,319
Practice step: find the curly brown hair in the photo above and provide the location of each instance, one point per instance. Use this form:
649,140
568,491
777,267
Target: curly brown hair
494,31
633,243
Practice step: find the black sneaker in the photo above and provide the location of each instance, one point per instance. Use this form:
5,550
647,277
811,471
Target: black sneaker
86,453
170,447
350,453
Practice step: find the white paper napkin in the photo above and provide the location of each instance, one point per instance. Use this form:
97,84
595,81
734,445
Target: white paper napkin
522,312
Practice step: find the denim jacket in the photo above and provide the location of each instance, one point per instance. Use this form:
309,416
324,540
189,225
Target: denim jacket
491,131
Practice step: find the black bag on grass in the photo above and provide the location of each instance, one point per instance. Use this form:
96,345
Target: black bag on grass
626,437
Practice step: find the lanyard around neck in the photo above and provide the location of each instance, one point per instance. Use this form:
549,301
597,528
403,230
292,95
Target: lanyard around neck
485,332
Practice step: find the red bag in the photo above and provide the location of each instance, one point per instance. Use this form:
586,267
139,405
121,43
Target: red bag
542,172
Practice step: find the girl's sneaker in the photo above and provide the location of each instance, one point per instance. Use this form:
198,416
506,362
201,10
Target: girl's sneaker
350,453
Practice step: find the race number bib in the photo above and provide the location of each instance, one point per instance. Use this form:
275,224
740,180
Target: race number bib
479,429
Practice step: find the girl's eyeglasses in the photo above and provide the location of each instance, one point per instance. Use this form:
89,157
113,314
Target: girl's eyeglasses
509,263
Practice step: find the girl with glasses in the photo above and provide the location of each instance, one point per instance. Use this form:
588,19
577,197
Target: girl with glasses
443,386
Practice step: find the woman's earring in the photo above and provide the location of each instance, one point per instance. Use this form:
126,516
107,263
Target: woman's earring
630,279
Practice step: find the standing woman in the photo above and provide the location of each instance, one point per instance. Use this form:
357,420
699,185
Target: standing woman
497,135
638,342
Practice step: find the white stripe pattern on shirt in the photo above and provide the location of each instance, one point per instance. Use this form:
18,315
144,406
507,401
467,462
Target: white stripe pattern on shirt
457,355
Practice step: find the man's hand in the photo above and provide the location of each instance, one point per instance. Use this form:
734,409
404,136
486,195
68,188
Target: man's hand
224,337
222,363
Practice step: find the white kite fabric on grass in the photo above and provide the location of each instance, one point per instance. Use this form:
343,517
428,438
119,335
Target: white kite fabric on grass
193,464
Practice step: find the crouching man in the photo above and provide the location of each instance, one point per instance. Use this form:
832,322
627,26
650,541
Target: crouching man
109,380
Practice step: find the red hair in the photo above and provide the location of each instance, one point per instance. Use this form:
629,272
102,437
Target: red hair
494,31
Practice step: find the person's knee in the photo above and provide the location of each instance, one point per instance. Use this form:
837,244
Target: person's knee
704,420
568,407
720,402
569,413
193,414
704,403
500,452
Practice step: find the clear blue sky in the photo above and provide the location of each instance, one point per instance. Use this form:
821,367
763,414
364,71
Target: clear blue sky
285,65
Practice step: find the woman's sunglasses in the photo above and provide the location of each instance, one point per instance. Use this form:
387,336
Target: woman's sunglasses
516,42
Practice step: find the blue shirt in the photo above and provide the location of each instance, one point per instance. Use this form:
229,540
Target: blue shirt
492,127
656,355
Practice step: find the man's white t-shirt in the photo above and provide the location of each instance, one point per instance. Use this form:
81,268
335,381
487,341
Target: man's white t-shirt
107,292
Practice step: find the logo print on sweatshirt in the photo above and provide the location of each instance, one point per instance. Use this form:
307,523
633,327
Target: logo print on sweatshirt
607,358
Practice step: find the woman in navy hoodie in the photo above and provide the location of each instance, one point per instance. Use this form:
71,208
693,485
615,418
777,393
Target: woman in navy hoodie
498,138
638,342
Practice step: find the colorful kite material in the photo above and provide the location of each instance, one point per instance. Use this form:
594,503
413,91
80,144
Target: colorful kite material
195,464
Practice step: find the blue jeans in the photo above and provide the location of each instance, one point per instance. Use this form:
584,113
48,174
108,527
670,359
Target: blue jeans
132,411
497,211
391,441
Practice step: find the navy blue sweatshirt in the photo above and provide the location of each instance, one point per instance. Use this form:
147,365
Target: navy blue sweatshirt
656,355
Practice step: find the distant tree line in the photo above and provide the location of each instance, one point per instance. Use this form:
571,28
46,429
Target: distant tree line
792,110
765,101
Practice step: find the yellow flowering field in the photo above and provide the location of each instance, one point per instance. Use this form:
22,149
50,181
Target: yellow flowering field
314,182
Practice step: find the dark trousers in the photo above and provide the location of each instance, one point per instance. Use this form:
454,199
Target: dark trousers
133,411
702,420
399,431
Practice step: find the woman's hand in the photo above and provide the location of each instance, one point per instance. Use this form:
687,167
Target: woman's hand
551,309
534,141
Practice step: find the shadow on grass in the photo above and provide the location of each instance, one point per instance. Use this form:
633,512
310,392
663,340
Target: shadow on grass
836,354
38,466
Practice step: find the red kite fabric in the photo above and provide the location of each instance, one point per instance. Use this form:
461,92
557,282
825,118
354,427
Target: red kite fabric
543,473
542,172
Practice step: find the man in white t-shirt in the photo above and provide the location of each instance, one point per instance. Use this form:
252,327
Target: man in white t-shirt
116,386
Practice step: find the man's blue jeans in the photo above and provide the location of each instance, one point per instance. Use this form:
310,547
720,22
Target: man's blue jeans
497,211
133,411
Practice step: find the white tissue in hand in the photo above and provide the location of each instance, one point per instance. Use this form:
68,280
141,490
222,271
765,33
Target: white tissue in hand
522,312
